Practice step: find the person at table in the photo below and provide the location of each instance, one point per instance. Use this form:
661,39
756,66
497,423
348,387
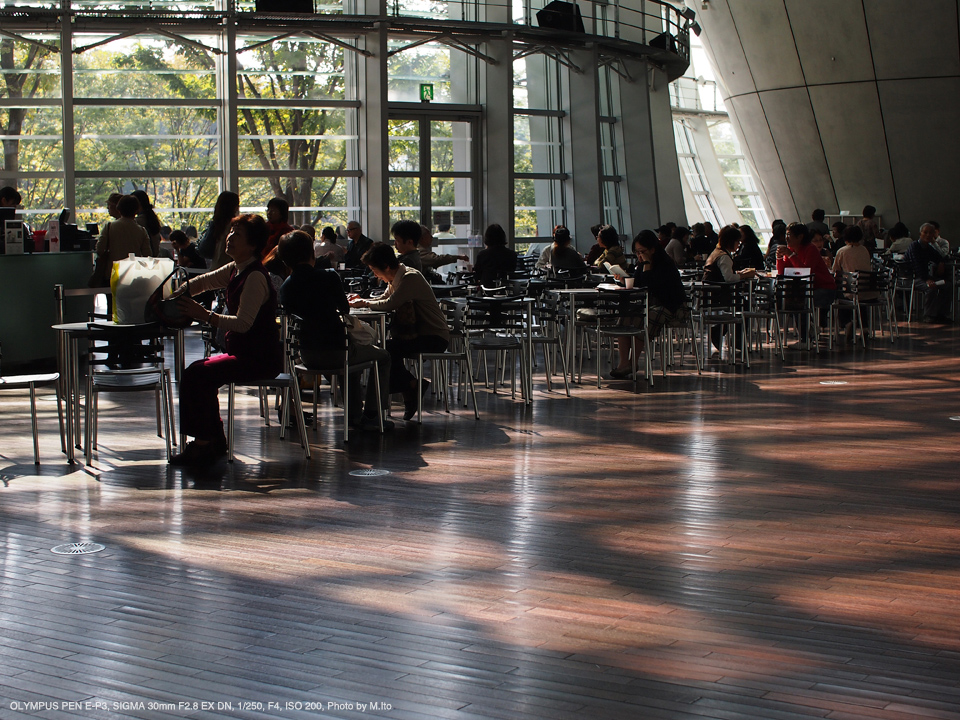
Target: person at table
187,254
147,217
496,261
328,248
800,252
819,242
778,237
656,272
929,269
406,239
125,235
252,339
418,325
213,244
316,296
609,240
719,268
852,257
278,213
563,256
357,246
679,246
749,254
596,250
429,260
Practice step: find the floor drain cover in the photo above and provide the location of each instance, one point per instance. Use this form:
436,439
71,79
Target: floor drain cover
955,417
369,472
833,382
78,548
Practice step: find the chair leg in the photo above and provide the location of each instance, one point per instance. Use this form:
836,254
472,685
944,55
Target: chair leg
63,435
230,400
34,425
172,431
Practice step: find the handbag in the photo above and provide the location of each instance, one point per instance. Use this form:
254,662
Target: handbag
162,308
360,333
102,265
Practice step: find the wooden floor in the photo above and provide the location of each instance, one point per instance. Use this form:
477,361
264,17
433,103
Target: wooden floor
745,544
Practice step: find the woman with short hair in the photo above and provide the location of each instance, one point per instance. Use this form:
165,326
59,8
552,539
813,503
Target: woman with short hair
252,340
418,325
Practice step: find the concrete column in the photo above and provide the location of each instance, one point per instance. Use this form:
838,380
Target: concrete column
372,121
496,87
584,192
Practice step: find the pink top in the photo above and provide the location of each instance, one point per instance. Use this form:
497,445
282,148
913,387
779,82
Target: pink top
808,256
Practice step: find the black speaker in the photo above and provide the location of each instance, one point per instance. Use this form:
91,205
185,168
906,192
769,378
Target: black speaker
560,15
665,41
286,7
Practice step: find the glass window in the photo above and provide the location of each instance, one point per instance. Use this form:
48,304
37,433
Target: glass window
291,69
311,198
404,199
146,138
178,201
452,73
144,67
293,138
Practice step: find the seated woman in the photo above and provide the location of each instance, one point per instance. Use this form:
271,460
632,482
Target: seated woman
496,261
315,294
852,257
749,255
656,272
609,240
679,246
252,340
418,323
800,252
563,256
719,268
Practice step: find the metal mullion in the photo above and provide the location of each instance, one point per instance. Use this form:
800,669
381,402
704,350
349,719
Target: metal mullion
404,173
31,102
145,102
294,103
67,124
456,175
540,176
426,194
136,174
539,113
299,173
40,174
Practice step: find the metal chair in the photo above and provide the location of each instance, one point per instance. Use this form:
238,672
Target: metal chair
762,308
343,371
722,304
31,383
456,352
794,298
500,325
286,385
130,359
611,308
546,333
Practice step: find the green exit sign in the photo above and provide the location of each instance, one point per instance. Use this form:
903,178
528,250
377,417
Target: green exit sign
426,92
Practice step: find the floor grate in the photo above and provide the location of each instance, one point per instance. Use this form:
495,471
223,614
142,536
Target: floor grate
80,548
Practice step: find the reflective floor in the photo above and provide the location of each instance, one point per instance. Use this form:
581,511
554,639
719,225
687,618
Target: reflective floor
745,544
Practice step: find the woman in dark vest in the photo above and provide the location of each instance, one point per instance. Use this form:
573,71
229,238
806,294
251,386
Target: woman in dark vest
251,339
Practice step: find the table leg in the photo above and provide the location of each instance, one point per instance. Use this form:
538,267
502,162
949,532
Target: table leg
572,337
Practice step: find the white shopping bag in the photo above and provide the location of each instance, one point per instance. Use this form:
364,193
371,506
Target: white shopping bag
132,282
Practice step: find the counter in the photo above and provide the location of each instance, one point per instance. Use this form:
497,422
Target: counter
28,306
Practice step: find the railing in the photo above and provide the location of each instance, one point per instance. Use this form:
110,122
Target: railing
687,93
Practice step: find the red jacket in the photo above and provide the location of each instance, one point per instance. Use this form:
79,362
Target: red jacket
808,256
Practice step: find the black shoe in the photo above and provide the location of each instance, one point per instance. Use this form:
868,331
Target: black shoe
194,455
410,400
371,424
621,373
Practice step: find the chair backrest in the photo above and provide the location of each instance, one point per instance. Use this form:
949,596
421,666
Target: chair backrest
61,294
611,305
719,297
494,313
131,346
795,294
